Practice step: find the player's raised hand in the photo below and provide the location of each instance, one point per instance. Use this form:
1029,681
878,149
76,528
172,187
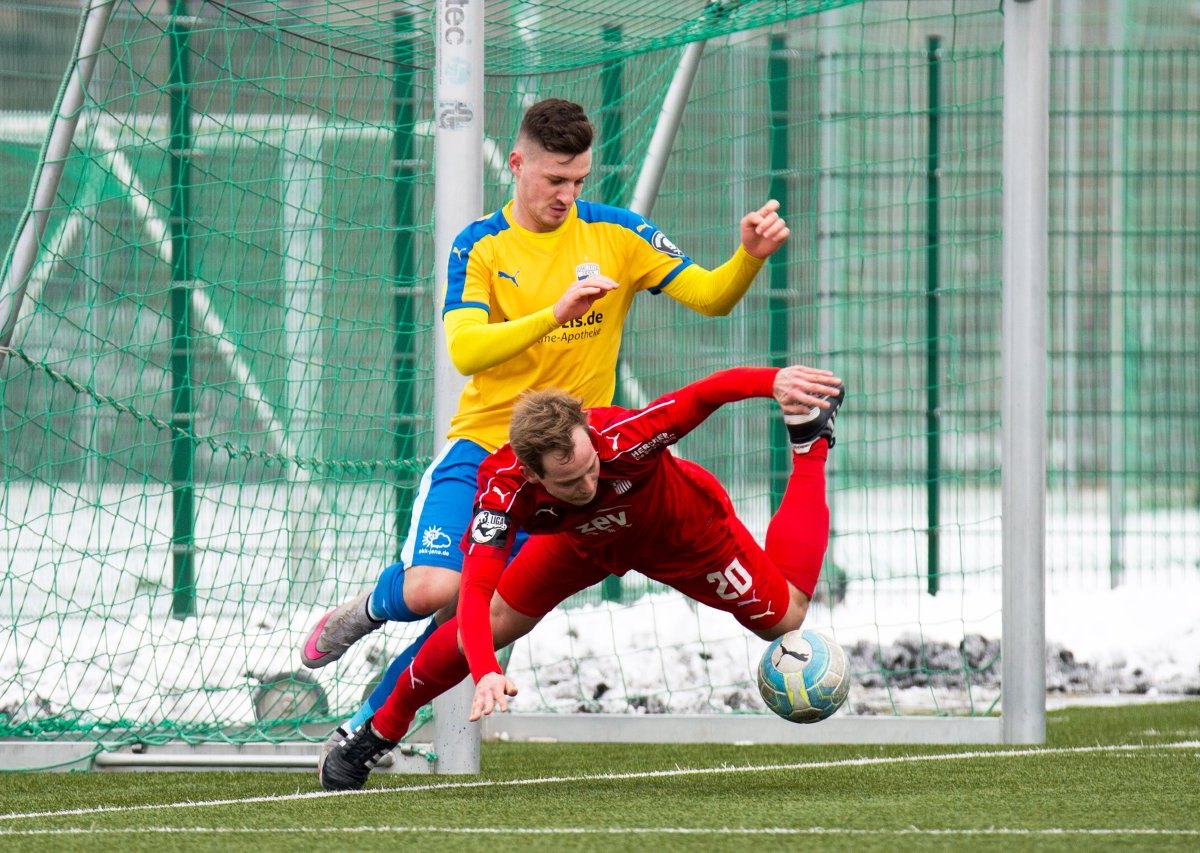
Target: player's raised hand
491,692
578,299
799,389
764,230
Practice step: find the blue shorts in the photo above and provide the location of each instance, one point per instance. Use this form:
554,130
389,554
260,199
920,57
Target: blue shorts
444,506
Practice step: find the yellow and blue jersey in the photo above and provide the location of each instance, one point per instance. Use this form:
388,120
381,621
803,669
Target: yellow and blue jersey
510,272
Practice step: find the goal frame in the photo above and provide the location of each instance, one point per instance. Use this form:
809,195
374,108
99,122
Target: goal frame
458,199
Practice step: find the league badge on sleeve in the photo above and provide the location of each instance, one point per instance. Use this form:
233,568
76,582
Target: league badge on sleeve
489,528
663,243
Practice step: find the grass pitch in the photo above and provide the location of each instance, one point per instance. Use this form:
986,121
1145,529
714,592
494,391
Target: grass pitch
1124,778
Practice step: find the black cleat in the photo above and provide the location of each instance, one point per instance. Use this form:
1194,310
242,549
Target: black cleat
347,766
335,739
804,430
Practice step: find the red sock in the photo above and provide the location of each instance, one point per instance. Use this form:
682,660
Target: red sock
436,668
799,531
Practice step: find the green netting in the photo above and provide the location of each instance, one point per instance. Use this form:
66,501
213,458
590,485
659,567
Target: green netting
216,404
218,393
525,37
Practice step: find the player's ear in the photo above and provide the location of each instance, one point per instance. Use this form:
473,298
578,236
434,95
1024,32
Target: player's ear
515,160
529,476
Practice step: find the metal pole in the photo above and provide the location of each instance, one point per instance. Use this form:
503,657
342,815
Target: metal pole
1117,340
1072,180
301,231
404,279
832,243
183,548
932,354
612,158
25,246
402,760
1026,124
645,193
779,310
458,199
612,124
831,229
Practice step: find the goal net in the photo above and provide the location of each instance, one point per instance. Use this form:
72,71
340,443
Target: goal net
217,365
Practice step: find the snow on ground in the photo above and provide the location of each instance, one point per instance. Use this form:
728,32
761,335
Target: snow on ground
656,654
1132,641
90,630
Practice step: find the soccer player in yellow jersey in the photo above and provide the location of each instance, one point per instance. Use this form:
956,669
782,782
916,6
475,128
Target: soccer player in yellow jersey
536,297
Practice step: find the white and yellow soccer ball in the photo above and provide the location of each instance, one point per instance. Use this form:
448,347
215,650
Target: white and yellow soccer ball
803,676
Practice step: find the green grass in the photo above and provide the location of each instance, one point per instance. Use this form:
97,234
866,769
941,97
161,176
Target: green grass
1108,778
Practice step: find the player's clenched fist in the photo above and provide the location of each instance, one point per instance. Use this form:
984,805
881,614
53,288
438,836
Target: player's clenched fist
764,230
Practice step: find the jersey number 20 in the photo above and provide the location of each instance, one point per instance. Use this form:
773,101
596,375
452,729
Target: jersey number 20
734,576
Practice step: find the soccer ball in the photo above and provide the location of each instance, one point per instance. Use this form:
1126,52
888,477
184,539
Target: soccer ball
803,676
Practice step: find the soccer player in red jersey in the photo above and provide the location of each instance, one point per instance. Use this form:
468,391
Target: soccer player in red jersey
599,493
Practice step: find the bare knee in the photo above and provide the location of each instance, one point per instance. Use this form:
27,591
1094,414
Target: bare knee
428,589
509,625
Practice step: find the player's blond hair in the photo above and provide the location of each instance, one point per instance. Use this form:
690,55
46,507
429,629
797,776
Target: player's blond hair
544,422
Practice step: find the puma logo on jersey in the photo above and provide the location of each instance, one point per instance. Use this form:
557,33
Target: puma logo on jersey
512,278
500,493
767,612
643,226
608,523
458,253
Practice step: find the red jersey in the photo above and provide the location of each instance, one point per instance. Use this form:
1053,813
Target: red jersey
650,507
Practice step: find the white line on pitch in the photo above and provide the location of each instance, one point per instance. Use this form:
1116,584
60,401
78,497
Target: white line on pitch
324,830
606,777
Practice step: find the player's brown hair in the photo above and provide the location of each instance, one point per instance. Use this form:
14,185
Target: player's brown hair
544,422
558,126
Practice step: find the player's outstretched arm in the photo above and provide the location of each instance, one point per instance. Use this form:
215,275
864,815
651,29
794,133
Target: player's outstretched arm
679,412
491,692
714,293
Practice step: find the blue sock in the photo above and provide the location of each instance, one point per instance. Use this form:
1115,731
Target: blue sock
384,689
387,600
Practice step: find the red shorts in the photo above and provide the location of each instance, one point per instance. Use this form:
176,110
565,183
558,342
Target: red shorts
733,574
